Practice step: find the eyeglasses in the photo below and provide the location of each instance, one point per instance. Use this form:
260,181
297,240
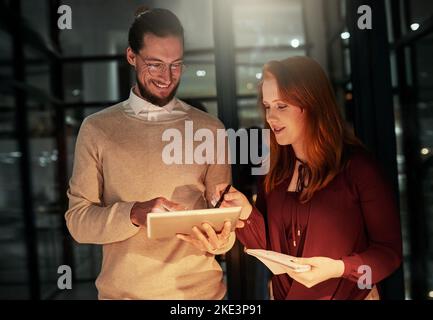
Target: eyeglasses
158,68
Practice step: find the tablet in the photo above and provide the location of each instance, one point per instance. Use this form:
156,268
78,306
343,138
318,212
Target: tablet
168,224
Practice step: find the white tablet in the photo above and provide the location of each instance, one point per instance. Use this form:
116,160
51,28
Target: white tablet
168,224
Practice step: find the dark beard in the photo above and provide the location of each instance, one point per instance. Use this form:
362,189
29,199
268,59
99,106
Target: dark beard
146,95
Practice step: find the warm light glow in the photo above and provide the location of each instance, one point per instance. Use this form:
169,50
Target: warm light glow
425,151
258,75
250,86
430,294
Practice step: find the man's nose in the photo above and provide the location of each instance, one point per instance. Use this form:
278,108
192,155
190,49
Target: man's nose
167,75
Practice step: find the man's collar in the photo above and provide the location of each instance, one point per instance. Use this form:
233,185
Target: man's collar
139,104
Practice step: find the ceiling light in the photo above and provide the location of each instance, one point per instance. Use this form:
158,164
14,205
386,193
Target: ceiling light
345,35
200,73
414,26
295,43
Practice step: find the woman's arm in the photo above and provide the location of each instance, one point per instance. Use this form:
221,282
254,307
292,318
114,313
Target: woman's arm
381,217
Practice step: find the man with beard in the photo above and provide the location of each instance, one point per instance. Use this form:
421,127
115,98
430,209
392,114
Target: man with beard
119,176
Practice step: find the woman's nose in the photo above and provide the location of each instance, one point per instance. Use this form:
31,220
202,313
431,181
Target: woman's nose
271,114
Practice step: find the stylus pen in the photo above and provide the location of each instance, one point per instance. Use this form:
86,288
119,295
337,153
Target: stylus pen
222,196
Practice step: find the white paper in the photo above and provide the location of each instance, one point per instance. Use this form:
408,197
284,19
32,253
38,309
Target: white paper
277,262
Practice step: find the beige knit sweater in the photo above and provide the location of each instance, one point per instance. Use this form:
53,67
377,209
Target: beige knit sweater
118,161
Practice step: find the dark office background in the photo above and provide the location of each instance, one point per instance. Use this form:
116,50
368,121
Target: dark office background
51,79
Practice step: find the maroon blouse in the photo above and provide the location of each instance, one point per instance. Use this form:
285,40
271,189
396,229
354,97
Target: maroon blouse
354,218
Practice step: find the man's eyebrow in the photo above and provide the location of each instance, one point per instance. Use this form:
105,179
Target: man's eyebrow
159,60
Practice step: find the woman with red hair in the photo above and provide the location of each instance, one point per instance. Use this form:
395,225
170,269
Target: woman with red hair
324,199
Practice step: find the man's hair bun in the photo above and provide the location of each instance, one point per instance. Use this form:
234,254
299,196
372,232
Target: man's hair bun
141,10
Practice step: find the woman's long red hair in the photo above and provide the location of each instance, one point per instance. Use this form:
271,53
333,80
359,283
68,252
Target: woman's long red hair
303,83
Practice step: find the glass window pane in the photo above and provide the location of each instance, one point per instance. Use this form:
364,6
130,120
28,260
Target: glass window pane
258,26
13,260
96,81
250,114
259,23
110,20
198,79
420,11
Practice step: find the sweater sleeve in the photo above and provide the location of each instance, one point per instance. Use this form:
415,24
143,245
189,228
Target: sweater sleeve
381,217
87,219
253,235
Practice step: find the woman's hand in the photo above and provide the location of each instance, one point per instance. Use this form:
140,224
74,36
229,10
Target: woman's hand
233,198
322,269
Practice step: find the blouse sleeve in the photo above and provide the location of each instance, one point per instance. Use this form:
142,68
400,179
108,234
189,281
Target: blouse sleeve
253,235
381,217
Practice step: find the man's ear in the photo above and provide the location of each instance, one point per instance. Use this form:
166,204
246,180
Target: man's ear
130,56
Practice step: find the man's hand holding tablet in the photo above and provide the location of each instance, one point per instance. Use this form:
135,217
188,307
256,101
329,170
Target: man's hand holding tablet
210,240
227,197
208,232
